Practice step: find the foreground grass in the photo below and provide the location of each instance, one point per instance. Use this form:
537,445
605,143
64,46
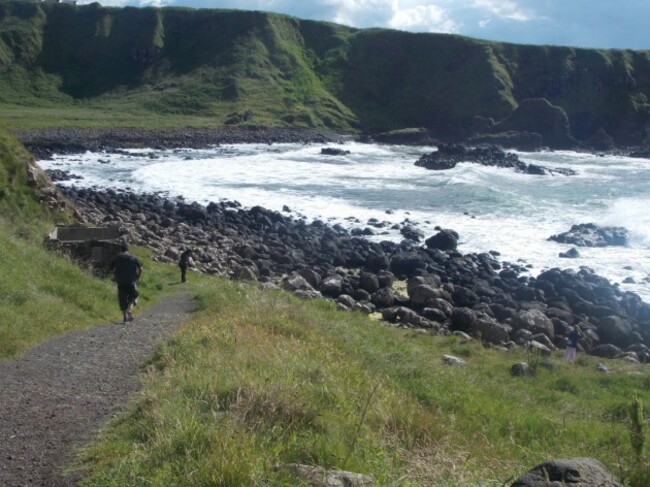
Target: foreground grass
259,379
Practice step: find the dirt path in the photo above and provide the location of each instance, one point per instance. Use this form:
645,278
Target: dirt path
57,394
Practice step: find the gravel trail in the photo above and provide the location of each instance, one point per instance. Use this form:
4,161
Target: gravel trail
57,395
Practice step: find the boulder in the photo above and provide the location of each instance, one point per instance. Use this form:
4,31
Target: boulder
576,472
386,278
606,350
333,151
411,233
311,276
369,282
592,235
296,282
416,281
491,331
454,361
448,155
572,253
443,240
535,346
347,301
462,319
331,286
424,295
383,298
406,264
434,314
617,331
534,321
522,369
246,273
321,477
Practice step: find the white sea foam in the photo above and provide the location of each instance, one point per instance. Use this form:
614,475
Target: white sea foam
492,208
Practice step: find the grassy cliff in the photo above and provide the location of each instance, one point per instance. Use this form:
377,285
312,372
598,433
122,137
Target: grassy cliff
95,66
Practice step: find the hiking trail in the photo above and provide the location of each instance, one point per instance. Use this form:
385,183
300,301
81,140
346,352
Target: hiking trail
58,394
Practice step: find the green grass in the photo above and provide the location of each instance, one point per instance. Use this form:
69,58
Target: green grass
42,294
259,379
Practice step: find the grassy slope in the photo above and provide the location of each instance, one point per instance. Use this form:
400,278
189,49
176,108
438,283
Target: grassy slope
42,294
259,379
94,66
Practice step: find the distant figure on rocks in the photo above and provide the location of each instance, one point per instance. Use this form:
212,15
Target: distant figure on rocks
184,262
571,346
127,270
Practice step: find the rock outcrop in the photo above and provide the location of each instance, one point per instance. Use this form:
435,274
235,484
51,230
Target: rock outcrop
577,472
449,155
592,235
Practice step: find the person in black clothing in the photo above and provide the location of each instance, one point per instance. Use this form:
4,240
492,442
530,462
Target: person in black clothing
127,270
184,262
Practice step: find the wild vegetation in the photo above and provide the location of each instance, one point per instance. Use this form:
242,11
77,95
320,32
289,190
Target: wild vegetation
94,66
261,379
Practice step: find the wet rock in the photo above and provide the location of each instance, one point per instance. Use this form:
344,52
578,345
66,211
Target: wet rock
333,151
592,235
572,253
448,155
443,240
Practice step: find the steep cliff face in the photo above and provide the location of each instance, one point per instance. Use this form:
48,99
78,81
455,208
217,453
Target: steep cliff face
253,67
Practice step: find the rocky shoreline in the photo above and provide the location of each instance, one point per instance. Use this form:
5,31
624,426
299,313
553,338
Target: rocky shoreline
43,143
442,291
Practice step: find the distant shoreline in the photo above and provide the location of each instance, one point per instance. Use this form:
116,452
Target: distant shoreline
44,143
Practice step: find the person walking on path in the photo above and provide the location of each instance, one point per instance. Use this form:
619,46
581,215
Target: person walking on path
184,262
127,270
571,346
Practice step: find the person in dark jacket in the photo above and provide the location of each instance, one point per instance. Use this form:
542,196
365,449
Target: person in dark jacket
127,270
184,262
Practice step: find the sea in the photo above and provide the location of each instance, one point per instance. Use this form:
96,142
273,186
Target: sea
492,209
